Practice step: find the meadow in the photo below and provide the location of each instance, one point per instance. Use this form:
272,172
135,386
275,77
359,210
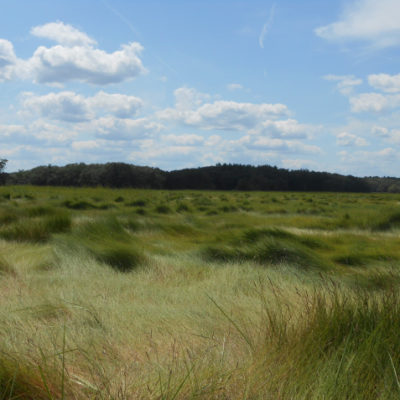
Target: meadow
145,294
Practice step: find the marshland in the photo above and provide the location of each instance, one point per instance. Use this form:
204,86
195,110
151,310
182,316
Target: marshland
145,294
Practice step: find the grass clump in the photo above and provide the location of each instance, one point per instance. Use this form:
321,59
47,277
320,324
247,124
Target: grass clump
344,345
392,220
266,247
79,205
37,229
182,207
163,209
138,203
108,241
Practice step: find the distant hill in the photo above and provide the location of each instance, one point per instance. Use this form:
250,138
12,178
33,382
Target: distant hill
218,177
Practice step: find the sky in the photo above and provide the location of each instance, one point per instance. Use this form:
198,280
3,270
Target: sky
175,84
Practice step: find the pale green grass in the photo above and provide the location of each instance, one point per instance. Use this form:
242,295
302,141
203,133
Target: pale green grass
303,304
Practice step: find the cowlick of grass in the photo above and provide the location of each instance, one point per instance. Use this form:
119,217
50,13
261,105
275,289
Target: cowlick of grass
108,241
267,247
37,230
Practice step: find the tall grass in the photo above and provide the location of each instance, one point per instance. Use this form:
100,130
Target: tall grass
255,296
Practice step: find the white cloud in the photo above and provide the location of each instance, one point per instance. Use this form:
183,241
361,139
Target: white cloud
112,128
348,139
373,102
289,128
189,98
13,134
219,115
388,135
64,106
374,21
62,33
120,105
345,83
8,60
60,64
184,140
384,82
282,145
74,58
71,107
234,86
298,163
85,145
380,131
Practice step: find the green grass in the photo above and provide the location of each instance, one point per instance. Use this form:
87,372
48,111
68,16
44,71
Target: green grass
136,294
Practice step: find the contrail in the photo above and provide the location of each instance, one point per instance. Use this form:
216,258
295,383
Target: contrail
137,33
267,26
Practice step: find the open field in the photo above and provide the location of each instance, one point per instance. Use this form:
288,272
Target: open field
135,294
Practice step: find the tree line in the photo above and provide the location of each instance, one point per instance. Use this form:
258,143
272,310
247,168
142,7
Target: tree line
218,177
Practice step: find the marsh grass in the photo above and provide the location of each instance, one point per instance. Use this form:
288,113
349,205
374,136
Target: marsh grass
224,296
109,242
36,229
267,247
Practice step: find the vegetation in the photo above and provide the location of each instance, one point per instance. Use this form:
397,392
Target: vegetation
143,294
219,177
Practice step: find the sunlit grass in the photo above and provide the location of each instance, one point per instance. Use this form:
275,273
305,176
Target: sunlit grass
134,294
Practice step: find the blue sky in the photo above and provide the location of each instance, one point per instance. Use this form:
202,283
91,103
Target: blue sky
298,84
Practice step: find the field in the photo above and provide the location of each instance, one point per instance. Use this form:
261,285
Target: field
135,294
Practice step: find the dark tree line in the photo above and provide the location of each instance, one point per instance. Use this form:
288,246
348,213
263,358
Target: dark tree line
218,177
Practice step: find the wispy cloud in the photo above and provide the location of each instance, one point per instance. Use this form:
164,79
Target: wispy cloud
267,26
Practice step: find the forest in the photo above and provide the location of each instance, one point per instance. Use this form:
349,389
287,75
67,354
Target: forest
218,177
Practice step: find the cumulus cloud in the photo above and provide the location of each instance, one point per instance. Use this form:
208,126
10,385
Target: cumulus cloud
289,128
63,33
348,139
374,21
75,57
8,60
281,145
380,131
388,135
60,64
221,114
120,105
298,163
184,140
71,107
384,82
373,102
112,128
64,106
85,145
345,83
189,98
13,133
